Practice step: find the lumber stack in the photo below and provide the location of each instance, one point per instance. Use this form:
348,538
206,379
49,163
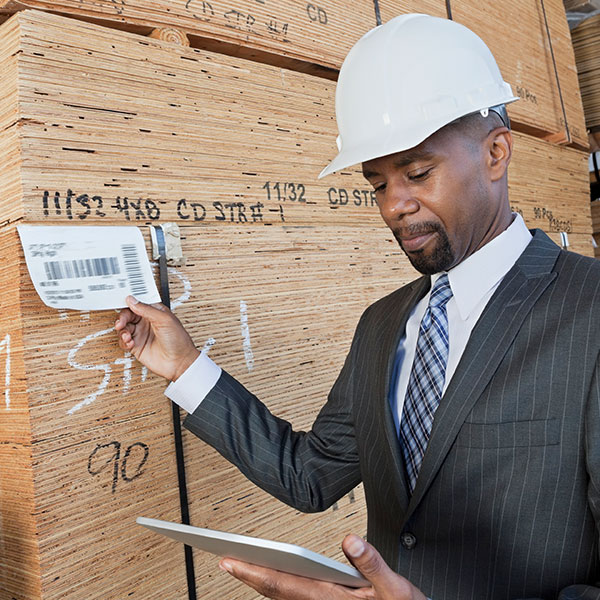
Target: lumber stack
107,127
538,62
586,43
581,6
316,37
312,36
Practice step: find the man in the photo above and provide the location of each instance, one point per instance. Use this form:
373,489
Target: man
469,403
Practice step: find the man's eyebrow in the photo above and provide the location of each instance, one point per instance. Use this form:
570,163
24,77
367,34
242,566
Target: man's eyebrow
403,160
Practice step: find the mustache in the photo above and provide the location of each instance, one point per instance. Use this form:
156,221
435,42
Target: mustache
416,229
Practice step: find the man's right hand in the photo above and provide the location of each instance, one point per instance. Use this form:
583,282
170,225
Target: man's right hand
156,337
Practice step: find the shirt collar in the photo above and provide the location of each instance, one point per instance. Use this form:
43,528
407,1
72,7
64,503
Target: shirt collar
475,276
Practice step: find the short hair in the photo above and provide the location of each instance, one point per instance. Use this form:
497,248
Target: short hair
477,126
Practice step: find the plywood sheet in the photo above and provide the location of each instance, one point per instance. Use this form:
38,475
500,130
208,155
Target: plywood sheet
586,43
314,33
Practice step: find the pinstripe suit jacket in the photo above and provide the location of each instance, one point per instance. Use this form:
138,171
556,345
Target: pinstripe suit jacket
507,504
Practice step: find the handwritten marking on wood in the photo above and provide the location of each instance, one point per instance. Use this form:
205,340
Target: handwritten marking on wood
126,360
99,460
5,347
210,342
248,354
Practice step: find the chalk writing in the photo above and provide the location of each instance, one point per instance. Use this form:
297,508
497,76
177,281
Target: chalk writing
104,367
126,361
108,457
342,197
210,342
286,191
554,224
248,354
5,349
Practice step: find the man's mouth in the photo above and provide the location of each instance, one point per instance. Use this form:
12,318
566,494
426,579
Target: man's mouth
412,242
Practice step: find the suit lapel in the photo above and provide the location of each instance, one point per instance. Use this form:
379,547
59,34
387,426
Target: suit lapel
395,323
489,342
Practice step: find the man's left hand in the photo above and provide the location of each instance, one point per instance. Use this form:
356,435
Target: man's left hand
386,585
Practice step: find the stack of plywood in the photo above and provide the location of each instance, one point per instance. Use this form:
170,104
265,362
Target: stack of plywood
312,36
586,43
581,5
538,62
315,37
105,127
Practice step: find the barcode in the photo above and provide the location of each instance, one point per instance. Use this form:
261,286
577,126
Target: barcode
79,268
134,269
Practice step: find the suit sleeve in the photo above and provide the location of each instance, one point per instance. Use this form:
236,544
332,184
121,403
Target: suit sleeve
307,470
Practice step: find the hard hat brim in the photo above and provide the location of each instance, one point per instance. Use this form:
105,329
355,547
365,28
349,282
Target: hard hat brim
353,156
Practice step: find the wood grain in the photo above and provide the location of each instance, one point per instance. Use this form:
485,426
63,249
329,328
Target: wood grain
229,149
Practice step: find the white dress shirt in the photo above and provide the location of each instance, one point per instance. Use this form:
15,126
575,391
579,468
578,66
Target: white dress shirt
472,282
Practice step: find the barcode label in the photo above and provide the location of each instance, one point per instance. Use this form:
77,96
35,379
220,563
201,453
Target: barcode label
78,269
133,267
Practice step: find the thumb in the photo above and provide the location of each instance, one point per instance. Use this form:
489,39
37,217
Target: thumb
372,567
151,312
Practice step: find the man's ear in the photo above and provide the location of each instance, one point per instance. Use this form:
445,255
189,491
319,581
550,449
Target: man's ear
499,146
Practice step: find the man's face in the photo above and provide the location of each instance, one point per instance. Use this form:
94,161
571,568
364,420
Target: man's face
436,198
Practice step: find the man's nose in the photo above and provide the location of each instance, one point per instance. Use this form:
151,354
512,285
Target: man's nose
396,201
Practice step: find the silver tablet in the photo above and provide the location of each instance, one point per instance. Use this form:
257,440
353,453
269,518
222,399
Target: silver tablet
265,553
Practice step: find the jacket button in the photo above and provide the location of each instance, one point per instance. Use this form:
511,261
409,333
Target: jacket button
408,540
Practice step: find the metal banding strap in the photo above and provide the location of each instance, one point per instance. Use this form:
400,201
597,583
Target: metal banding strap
181,478
377,12
562,102
448,10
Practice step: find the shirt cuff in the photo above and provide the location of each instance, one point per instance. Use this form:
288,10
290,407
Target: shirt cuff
194,383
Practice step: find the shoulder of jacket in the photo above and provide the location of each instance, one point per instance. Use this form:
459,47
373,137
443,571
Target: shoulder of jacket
387,304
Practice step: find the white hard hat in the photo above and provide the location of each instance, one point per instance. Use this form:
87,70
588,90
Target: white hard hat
404,80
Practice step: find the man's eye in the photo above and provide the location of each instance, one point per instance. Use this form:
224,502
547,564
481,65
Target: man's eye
379,188
417,175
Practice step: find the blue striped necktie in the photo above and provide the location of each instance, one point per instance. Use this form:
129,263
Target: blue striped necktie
426,379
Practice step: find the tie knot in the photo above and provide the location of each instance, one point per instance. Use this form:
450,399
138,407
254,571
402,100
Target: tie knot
441,292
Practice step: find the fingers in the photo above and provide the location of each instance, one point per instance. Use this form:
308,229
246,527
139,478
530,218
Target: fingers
126,341
152,312
282,586
125,317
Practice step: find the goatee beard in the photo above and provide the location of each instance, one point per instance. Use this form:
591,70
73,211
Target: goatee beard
442,256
